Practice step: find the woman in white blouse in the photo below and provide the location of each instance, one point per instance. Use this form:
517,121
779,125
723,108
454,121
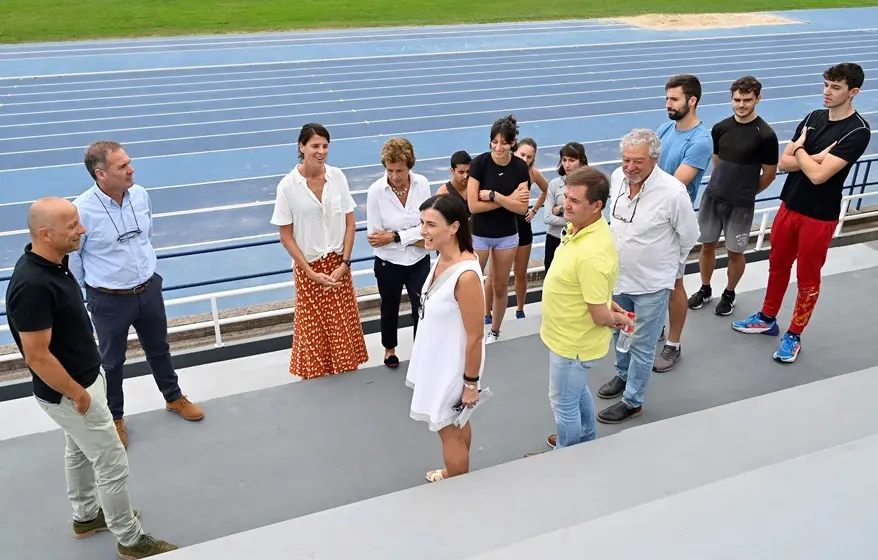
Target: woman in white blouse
314,210
394,231
449,354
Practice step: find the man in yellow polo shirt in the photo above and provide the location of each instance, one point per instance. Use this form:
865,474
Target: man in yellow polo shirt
579,314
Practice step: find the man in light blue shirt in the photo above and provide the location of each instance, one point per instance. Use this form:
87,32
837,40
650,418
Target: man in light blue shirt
687,148
115,265
686,143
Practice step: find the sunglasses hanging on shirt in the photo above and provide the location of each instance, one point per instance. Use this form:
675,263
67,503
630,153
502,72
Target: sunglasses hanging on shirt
128,235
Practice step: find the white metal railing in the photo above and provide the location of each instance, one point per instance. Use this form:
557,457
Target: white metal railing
216,322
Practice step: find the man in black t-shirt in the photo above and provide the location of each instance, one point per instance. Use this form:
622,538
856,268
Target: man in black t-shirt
823,149
745,154
456,187
50,325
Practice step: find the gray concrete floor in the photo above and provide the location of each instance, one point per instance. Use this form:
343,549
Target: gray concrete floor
276,454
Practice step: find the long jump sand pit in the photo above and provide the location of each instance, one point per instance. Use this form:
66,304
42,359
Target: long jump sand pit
670,22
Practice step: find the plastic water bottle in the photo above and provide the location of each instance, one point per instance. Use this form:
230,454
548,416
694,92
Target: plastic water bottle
623,342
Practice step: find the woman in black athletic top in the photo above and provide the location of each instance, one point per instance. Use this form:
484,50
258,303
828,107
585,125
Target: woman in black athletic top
526,150
497,191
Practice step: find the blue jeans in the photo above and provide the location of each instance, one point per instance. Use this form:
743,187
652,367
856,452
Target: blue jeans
571,400
635,366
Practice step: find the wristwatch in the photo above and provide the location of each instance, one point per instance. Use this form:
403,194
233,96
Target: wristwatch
396,237
347,262
491,196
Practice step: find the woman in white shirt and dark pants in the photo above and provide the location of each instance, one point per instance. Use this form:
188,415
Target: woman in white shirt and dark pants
314,210
394,231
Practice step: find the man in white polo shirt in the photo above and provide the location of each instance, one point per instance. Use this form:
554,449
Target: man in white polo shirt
654,227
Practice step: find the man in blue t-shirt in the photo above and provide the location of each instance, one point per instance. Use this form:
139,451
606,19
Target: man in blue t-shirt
685,153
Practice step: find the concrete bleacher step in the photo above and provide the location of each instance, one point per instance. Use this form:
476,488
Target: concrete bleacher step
733,454
816,506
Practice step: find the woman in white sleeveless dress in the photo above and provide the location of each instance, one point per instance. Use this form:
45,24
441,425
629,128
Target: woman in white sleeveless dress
449,353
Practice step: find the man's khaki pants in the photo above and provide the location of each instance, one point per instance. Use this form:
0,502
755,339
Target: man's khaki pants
96,463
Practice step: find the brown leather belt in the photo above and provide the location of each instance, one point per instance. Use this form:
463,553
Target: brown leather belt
128,291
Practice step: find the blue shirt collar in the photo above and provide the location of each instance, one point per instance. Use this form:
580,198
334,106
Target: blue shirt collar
105,198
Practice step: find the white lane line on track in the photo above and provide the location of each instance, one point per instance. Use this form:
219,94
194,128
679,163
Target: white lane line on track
181,186
329,99
271,202
421,118
373,41
678,41
363,191
376,67
327,33
312,115
278,105
641,59
388,135
813,62
77,50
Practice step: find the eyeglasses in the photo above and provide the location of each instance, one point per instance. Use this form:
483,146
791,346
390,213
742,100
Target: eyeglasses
421,301
130,234
628,219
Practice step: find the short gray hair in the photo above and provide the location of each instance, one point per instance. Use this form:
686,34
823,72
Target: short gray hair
643,137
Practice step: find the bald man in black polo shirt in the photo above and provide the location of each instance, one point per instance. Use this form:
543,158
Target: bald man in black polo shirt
50,325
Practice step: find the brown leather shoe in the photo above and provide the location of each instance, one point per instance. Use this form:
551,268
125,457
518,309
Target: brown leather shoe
552,440
185,408
120,429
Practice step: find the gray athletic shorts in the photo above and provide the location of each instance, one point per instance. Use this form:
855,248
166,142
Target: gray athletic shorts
716,218
499,243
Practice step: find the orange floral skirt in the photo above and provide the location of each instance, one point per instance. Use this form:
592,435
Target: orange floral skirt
327,333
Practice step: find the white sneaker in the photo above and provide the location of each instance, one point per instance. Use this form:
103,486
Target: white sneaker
492,337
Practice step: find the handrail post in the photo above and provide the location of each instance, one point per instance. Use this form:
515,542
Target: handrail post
845,207
216,322
865,184
763,225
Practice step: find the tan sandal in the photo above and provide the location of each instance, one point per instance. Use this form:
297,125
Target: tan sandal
436,476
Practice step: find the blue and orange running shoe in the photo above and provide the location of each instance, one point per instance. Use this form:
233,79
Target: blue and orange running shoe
756,324
789,348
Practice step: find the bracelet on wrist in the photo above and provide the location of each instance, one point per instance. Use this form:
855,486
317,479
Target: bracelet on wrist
470,387
471,379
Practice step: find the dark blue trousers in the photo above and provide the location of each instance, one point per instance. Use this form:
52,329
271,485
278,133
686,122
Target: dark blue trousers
113,315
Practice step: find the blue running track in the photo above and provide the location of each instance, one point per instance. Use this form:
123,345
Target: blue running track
211,122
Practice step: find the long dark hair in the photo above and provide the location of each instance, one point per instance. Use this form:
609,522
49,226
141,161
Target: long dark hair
310,130
452,211
572,150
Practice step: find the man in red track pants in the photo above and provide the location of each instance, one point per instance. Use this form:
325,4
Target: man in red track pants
823,149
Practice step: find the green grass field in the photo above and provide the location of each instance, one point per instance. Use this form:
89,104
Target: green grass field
65,20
